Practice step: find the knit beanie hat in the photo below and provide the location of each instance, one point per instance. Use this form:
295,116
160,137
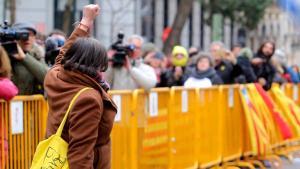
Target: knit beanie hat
203,55
246,52
179,61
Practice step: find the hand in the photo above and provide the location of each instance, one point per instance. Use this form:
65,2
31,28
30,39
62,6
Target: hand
90,12
110,54
178,72
21,55
262,81
148,57
230,57
256,61
127,63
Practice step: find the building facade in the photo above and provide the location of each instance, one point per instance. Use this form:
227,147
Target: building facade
39,12
281,28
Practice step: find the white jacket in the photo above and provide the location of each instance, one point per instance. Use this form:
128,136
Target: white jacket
198,83
139,76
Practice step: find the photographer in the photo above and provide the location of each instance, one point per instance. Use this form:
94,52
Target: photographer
53,43
133,73
29,68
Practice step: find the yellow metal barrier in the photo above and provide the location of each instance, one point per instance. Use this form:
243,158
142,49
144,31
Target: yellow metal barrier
22,122
167,128
292,91
233,124
292,113
234,131
258,137
123,138
209,127
285,104
182,127
288,90
296,93
151,110
269,123
298,100
264,114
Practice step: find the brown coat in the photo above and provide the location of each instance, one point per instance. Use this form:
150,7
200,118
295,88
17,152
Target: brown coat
89,123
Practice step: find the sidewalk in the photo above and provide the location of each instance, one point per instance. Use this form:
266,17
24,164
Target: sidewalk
295,165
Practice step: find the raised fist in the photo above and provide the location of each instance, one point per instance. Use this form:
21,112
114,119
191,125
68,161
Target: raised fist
90,12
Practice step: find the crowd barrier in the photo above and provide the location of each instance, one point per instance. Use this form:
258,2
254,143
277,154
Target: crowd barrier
218,127
22,126
292,91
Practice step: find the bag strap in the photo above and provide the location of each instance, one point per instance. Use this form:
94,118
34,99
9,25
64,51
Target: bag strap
62,124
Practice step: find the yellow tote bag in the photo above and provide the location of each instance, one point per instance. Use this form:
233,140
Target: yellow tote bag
52,152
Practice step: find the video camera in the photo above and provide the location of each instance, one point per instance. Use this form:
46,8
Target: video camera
121,51
8,37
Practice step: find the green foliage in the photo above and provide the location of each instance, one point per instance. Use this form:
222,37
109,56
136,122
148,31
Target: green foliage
247,12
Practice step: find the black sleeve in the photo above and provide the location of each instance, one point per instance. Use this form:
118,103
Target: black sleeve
167,80
270,78
227,74
216,80
250,75
236,71
230,67
248,70
187,73
163,80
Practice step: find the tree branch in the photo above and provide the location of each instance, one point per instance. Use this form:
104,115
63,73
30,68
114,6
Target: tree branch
183,11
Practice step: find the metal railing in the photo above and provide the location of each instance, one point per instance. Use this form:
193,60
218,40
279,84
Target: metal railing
168,128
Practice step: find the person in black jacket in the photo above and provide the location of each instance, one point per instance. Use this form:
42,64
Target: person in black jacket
262,66
242,69
223,67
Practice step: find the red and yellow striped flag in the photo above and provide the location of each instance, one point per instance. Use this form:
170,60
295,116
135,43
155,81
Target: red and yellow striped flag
259,138
289,108
280,121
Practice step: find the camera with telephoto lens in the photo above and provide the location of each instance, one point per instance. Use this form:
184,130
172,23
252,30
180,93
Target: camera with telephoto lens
8,37
121,51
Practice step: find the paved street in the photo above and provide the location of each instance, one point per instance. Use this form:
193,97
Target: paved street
295,165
